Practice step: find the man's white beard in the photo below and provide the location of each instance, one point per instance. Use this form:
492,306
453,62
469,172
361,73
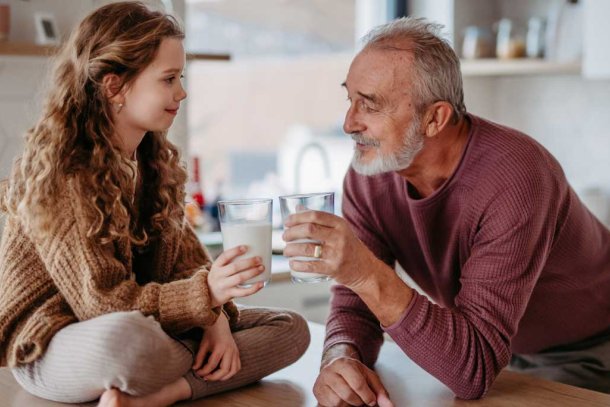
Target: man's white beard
412,144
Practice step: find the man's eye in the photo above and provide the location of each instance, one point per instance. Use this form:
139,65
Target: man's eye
365,106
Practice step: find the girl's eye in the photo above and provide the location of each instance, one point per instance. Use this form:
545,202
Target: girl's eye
171,79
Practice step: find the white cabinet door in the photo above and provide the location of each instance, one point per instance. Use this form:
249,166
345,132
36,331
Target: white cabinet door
596,53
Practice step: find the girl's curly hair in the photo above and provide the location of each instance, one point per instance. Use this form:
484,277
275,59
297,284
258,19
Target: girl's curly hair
73,139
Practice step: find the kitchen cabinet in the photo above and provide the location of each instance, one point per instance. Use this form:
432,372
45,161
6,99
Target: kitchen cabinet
596,51
310,300
25,49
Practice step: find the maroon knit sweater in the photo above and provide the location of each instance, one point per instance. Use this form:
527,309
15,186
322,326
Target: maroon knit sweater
512,259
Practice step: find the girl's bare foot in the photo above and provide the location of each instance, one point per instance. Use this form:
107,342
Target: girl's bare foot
168,395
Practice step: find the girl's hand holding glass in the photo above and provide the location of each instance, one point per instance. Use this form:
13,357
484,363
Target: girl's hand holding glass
227,273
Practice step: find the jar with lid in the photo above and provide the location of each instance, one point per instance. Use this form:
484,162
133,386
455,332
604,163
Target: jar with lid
510,41
478,43
536,27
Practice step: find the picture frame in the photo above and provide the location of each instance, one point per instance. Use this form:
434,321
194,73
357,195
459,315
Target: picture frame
47,32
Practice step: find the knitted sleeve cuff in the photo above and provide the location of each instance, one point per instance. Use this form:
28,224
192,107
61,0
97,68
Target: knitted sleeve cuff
231,312
185,304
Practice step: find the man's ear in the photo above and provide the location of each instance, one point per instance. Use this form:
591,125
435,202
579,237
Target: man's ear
111,84
436,118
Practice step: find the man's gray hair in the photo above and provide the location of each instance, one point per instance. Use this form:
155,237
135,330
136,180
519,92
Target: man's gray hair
437,67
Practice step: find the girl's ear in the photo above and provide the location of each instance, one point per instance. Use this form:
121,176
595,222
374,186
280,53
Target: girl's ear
111,84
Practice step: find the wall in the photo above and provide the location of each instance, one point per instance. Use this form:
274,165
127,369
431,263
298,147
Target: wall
567,114
250,105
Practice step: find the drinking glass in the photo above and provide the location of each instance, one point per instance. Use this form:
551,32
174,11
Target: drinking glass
290,204
248,222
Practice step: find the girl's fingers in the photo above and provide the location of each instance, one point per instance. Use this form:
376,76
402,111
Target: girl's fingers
203,349
243,276
244,292
232,369
241,265
212,364
228,256
223,369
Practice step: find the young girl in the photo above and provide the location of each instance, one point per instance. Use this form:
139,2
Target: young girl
104,289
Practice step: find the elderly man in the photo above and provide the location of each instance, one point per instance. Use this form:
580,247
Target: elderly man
515,269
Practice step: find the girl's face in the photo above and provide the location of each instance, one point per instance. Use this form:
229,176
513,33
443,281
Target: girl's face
152,100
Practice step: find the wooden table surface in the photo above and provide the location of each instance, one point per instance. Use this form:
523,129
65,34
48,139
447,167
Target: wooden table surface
407,383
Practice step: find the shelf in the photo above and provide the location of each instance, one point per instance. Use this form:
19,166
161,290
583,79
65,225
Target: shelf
194,56
22,49
520,67
25,49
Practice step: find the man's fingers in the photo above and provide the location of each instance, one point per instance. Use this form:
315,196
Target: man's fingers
380,391
301,249
319,217
327,397
359,384
342,388
311,231
383,400
320,266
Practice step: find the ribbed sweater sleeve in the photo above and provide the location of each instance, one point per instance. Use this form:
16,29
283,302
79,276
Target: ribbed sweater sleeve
350,320
94,282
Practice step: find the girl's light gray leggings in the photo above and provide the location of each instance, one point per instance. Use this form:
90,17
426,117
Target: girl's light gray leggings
131,352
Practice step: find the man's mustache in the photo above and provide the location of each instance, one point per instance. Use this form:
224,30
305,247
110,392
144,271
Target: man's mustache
367,141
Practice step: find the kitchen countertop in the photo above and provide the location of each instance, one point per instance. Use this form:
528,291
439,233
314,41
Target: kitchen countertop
407,383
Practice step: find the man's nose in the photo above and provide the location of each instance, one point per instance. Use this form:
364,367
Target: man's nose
351,124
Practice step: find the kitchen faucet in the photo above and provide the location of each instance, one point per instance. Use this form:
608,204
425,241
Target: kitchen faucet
299,158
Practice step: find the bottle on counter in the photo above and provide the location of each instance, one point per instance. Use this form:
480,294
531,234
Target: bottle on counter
195,202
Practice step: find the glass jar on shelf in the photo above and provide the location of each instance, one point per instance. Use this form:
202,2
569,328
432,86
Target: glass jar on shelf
510,41
535,44
478,43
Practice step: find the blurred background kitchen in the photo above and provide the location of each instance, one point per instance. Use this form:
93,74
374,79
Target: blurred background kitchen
265,106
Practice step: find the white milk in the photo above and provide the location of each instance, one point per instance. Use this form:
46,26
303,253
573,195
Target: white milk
257,236
302,276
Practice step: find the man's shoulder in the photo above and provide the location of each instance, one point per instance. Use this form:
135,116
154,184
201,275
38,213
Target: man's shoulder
503,141
502,150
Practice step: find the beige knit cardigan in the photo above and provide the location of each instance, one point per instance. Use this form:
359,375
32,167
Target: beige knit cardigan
48,283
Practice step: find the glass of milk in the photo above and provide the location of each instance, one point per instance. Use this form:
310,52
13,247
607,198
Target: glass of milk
289,204
248,222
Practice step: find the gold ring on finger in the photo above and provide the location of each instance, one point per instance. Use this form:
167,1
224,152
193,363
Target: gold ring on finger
317,251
